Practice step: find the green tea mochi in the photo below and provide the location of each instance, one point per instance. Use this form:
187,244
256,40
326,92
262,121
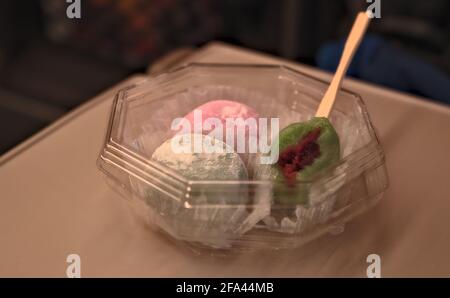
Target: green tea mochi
305,150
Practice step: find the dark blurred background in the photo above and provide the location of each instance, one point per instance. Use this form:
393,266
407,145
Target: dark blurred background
49,63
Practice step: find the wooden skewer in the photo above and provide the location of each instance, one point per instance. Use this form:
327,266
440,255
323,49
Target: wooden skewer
351,45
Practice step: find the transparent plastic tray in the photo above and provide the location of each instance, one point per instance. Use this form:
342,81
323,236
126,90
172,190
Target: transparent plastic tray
244,213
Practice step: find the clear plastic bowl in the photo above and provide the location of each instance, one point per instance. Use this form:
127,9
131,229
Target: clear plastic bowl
245,215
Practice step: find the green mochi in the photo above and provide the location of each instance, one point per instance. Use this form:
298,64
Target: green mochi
329,154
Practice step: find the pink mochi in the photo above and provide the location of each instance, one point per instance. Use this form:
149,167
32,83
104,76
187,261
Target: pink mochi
223,109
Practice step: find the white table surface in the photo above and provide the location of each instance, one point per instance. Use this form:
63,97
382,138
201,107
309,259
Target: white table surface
54,202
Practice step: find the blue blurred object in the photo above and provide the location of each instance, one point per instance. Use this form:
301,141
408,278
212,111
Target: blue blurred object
379,62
